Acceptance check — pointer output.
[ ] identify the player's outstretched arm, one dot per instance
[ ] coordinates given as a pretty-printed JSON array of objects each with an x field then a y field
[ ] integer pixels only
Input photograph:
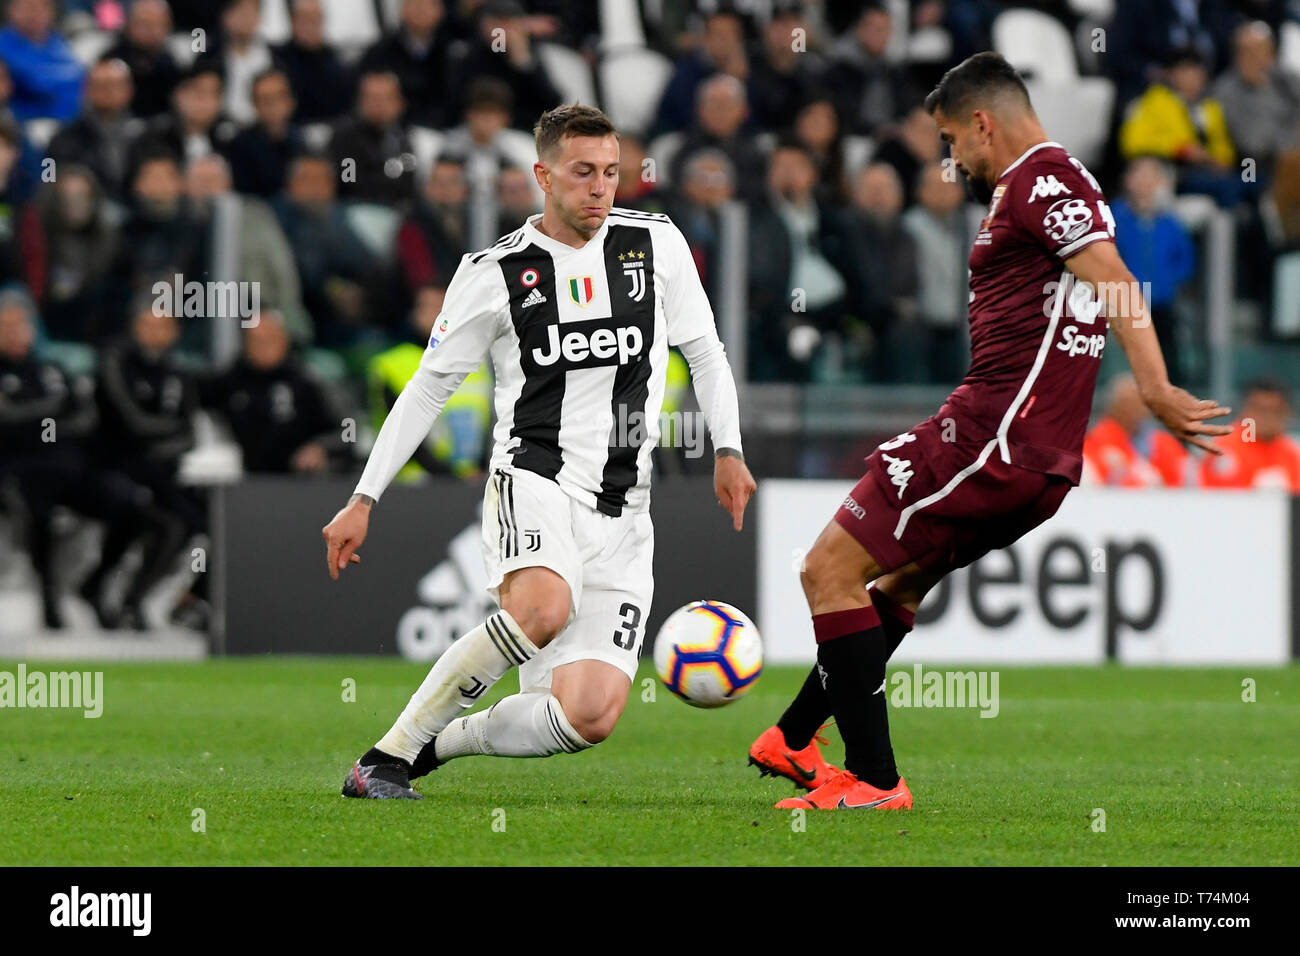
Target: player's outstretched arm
[
  {"x": 1185, "y": 415},
  {"x": 715, "y": 390}
]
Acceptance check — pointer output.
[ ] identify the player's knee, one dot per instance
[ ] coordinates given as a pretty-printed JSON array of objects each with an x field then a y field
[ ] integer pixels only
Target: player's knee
[
  {"x": 820, "y": 576},
  {"x": 592, "y": 721},
  {"x": 541, "y": 617}
]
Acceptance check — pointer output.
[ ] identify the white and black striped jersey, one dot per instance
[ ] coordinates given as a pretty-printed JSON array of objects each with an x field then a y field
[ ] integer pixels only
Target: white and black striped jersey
[{"x": 579, "y": 342}]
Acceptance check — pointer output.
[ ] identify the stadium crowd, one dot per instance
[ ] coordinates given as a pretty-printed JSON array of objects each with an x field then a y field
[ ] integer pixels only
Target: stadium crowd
[{"x": 172, "y": 141}]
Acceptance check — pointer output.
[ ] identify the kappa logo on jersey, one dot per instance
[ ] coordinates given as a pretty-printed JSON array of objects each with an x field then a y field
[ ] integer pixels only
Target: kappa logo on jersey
[
  {"x": 533, "y": 298},
  {"x": 1068, "y": 219},
  {"x": 900, "y": 471},
  {"x": 1048, "y": 186},
  {"x": 582, "y": 289},
  {"x": 634, "y": 269},
  {"x": 898, "y": 442},
  {"x": 600, "y": 346},
  {"x": 859, "y": 512}
]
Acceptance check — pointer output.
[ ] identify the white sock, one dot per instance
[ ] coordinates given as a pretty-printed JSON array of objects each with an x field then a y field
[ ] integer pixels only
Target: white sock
[
  {"x": 525, "y": 725},
  {"x": 460, "y": 677}
]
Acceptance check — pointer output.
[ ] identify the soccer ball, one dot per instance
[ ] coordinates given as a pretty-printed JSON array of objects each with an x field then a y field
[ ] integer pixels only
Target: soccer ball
[{"x": 708, "y": 654}]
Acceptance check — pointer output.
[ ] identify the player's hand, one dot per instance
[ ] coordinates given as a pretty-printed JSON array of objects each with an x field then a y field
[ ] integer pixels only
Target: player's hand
[
  {"x": 733, "y": 484},
  {"x": 1185, "y": 415},
  {"x": 344, "y": 535}
]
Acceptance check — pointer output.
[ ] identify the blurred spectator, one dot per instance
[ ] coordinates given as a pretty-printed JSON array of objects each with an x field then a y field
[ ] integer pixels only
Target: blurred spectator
[
  {"x": 517, "y": 65},
  {"x": 102, "y": 137},
  {"x": 910, "y": 146},
  {"x": 22, "y": 246},
  {"x": 26, "y": 174},
  {"x": 708, "y": 181},
  {"x": 515, "y": 199},
  {"x": 334, "y": 266},
  {"x": 478, "y": 143},
  {"x": 885, "y": 271},
  {"x": 1157, "y": 248},
  {"x": 940, "y": 227},
  {"x": 638, "y": 183},
  {"x": 81, "y": 245},
  {"x": 721, "y": 50},
  {"x": 278, "y": 410},
  {"x": 817, "y": 126},
  {"x": 46, "y": 76},
  {"x": 1144, "y": 33},
  {"x": 1129, "y": 450},
  {"x": 787, "y": 73},
  {"x": 197, "y": 15},
  {"x": 875, "y": 92},
  {"x": 159, "y": 237},
  {"x": 458, "y": 442},
  {"x": 323, "y": 85},
  {"x": 1260, "y": 100},
  {"x": 434, "y": 236},
  {"x": 1175, "y": 120},
  {"x": 264, "y": 258},
  {"x": 240, "y": 54},
  {"x": 419, "y": 53},
  {"x": 720, "y": 113},
  {"x": 32, "y": 394},
  {"x": 195, "y": 127},
  {"x": 146, "y": 406},
  {"x": 143, "y": 48},
  {"x": 260, "y": 155},
  {"x": 1258, "y": 453},
  {"x": 373, "y": 147},
  {"x": 797, "y": 290}
]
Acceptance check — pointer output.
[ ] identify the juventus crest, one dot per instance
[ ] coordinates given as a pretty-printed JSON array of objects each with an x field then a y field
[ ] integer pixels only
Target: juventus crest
[{"x": 634, "y": 269}]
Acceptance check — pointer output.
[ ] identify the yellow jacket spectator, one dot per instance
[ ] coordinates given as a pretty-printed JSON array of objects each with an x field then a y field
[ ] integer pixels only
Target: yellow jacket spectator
[{"x": 1176, "y": 121}]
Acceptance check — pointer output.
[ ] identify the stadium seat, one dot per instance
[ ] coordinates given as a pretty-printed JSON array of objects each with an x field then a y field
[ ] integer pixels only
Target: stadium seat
[
  {"x": 427, "y": 143},
  {"x": 858, "y": 151},
  {"x": 181, "y": 47},
  {"x": 89, "y": 45},
  {"x": 39, "y": 132},
  {"x": 662, "y": 149},
  {"x": 1076, "y": 114},
  {"x": 274, "y": 26},
  {"x": 620, "y": 26},
  {"x": 350, "y": 27},
  {"x": 1289, "y": 47},
  {"x": 631, "y": 83},
  {"x": 569, "y": 72},
  {"x": 1101, "y": 10},
  {"x": 390, "y": 13},
  {"x": 1036, "y": 44},
  {"x": 1193, "y": 211},
  {"x": 375, "y": 225}
]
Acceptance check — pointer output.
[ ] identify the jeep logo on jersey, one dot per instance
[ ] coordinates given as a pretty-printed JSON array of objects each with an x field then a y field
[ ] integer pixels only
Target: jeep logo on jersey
[
  {"x": 1067, "y": 219},
  {"x": 580, "y": 348},
  {"x": 1046, "y": 187},
  {"x": 581, "y": 289}
]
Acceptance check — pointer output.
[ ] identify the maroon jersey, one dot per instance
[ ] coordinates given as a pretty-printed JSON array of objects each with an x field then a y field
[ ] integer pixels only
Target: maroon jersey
[{"x": 1036, "y": 337}]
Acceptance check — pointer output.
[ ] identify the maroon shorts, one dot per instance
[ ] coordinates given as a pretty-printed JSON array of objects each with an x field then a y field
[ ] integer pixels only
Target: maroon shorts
[{"x": 944, "y": 504}]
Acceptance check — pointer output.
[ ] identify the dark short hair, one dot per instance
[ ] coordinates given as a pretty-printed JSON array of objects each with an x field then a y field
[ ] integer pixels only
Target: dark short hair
[
  {"x": 973, "y": 82},
  {"x": 263, "y": 75},
  {"x": 491, "y": 93},
  {"x": 574, "y": 119},
  {"x": 1269, "y": 384},
  {"x": 202, "y": 68}
]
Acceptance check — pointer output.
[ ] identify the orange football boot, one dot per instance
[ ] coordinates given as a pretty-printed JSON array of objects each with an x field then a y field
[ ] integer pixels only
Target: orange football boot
[
  {"x": 807, "y": 768},
  {"x": 844, "y": 791}
]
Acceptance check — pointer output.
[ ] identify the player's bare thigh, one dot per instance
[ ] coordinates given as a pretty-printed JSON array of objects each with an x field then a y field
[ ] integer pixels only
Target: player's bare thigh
[
  {"x": 539, "y": 601},
  {"x": 837, "y": 570},
  {"x": 593, "y": 695}
]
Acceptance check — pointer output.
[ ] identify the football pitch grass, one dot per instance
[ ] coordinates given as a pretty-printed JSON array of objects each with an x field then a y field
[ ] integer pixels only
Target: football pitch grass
[{"x": 1185, "y": 772}]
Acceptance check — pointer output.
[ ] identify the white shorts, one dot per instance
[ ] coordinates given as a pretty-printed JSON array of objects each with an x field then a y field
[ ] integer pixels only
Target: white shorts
[{"x": 608, "y": 563}]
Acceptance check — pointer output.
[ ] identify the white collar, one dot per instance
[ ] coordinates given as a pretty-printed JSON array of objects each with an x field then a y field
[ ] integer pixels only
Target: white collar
[
  {"x": 547, "y": 242},
  {"x": 1025, "y": 155}
]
